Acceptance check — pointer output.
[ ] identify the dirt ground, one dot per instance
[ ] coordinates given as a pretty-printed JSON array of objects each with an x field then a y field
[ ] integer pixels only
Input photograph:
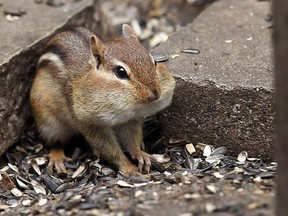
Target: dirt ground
[{"x": 181, "y": 183}]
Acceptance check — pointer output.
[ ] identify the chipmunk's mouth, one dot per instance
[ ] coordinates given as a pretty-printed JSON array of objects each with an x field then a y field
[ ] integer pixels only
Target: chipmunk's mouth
[
  {"x": 116, "y": 117},
  {"x": 123, "y": 113},
  {"x": 145, "y": 110},
  {"x": 121, "y": 116}
]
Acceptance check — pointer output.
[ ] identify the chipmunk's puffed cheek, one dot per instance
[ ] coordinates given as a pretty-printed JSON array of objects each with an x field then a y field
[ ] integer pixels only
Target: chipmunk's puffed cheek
[{"x": 101, "y": 83}]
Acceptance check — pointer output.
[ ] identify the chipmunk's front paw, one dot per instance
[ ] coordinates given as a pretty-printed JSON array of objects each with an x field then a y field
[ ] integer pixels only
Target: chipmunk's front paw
[
  {"x": 56, "y": 159},
  {"x": 144, "y": 160},
  {"x": 130, "y": 170}
]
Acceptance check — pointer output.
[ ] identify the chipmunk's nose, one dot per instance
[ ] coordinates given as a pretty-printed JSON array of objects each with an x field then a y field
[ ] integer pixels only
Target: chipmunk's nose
[{"x": 154, "y": 95}]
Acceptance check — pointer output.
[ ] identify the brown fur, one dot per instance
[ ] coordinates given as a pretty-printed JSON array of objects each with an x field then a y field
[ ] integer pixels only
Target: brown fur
[{"x": 76, "y": 90}]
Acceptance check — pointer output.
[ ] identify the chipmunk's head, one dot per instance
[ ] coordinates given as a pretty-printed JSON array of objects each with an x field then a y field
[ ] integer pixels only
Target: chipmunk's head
[
  {"x": 128, "y": 66},
  {"x": 123, "y": 82}
]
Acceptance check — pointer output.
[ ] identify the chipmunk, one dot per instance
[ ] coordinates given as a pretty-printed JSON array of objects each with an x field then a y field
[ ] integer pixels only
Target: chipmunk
[{"x": 102, "y": 90}]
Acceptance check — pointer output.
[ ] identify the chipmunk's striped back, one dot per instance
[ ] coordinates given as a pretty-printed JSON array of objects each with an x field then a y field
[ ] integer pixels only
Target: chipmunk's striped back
[{"x": 68, "y": 50}]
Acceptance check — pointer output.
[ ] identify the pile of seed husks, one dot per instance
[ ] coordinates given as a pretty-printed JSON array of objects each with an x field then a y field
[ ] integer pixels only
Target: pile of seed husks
[{"x": 91, "y": 185}]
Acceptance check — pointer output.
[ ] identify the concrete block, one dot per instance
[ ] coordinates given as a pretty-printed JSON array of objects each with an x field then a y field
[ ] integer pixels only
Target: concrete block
[
  {"x": 224, "y": 94},
  {"x": 21, "y": 43}
]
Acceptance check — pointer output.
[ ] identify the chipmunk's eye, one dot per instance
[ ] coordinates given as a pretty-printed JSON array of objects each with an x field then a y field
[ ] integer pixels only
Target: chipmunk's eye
[{"x": 121, "y": 72}]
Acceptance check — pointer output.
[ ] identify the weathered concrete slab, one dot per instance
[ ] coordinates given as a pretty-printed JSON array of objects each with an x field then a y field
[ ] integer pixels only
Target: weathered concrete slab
[
  {"x": 21, "y": 43},
  {"x": 224, "y": 95}
]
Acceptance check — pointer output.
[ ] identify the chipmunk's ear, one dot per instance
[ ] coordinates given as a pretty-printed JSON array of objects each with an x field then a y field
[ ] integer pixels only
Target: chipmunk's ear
[
  {"x": 129, "y": 32},
  {"x": 96, "y": 46}
]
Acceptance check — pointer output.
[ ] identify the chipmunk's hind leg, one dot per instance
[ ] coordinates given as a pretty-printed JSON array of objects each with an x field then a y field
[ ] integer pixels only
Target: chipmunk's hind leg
[
  {"x": 56, "y": 159},
  {"x": 57, "y": 135},
  {"x": 51, "y": 118}
]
